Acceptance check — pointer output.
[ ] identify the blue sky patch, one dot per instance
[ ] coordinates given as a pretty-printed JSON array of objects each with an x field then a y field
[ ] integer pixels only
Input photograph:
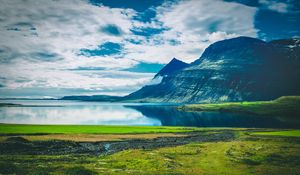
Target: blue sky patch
[
  {"x": 146, "y": 67},
  {"x": 111, "y": 30},
  {"x": 285, "y": 25},
  {"x": 145, "y": 16},
  {"x": 138, "y": 5},
  {"x": 147, "y": 32},
  {"x": 106, "y": 49}
]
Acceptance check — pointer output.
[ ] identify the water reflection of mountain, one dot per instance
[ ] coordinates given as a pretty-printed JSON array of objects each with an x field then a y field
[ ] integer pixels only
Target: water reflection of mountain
[{"x": 170, "y": 116}]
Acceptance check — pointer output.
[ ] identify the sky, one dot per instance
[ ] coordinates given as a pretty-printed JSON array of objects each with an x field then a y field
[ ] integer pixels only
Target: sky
[{"x": 53, "y": 48}]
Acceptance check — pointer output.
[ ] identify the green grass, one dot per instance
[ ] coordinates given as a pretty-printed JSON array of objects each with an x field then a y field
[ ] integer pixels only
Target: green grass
[
  {"x": 287, "y": 106},
  {"x": 47, "y": 164},
  {"x": 87, "y": 129},
  {"x": 243, "y": 156},
  {"x": 234, "y": 158},
  {"x": 291, "y": 133},
  {"x": 246, "y": 155}
]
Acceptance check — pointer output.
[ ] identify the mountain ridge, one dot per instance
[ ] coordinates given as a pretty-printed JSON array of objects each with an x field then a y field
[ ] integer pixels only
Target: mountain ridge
[{"x": 237, "y": 69}]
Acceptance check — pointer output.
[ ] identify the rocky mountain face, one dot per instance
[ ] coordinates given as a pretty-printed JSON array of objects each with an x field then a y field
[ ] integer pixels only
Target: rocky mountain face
[{"x": 238, "y": 69}]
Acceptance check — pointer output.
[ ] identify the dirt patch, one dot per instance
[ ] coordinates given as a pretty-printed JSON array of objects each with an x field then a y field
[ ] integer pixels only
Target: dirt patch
[
  {"x": 60, "y": 147},
  {"x": 98, "y": 137}
]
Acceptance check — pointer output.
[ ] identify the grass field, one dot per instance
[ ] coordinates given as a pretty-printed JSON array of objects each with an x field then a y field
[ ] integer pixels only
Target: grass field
[
  {"x": 287, "y": 106},
  {"x": 93, "y": 133},
  {"x": 290, "y": 133},
  {"x": 232, "y": 158},
  {"x": 88, "y": 129},
  {"x": 251, "y": 152}
]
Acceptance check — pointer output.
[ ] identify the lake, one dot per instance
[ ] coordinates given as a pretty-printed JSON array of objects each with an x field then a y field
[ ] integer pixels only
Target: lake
[{"x": 138, "y": 114}]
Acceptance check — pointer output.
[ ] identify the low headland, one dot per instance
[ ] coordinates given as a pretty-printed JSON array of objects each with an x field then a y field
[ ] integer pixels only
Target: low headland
[{"x": 286, "y": 106}]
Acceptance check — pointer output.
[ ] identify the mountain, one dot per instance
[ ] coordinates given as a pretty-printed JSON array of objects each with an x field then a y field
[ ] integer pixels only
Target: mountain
[
  {"x": 105, "y": 98},
  {"x": 173, "y": 66},
  {"x": 238, "y": 69}
]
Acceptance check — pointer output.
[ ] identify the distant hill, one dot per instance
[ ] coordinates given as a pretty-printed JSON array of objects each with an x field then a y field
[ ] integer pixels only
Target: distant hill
[
  {"x": 238, "y": 69},
  {"x": 106, "y": 98}
]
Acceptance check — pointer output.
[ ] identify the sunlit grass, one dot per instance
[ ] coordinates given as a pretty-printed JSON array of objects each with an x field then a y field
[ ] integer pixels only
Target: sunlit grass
[
  {"x": 240, "y": 157},
  {"x": 87, "y": 129},
  {"x": 290, "y": 133}
]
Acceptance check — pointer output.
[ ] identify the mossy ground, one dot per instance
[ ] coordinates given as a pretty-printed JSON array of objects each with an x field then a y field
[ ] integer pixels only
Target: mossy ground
[{"x": 247, "y": 154}]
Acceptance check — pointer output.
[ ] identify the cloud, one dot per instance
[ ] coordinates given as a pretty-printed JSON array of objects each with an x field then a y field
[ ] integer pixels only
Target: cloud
[
  {"x": 217, "y": 36},
  {"x": 45, "y": 56},
  {"x": 60, "y": 27},
  {"x": 43, "y": 39},
  {"x": 273, "y": 5},
  {"x": 85, "y": 80},
  {"x": 191, "y": 26},
  {"x": 102, "y": 47}
]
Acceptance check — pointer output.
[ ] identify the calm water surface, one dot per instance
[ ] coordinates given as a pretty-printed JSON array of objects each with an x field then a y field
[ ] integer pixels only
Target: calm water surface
[{"x": 145, "y": 114}]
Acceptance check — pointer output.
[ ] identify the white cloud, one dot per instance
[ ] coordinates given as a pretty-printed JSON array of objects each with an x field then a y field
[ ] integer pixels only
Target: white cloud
[
  {"x": 195, "y": 25},
  {"x": 217, "y": 36},
  {"x": 41, "y": 40},
  {"x": 22, "y": 75},
  {"x": 275, "y": 6},
  {"x": 59, "y": 29}
]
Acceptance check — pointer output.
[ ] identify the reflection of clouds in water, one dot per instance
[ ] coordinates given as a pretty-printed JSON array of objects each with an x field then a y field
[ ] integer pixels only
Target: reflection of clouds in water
[{"x": 84, "y": 114}]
